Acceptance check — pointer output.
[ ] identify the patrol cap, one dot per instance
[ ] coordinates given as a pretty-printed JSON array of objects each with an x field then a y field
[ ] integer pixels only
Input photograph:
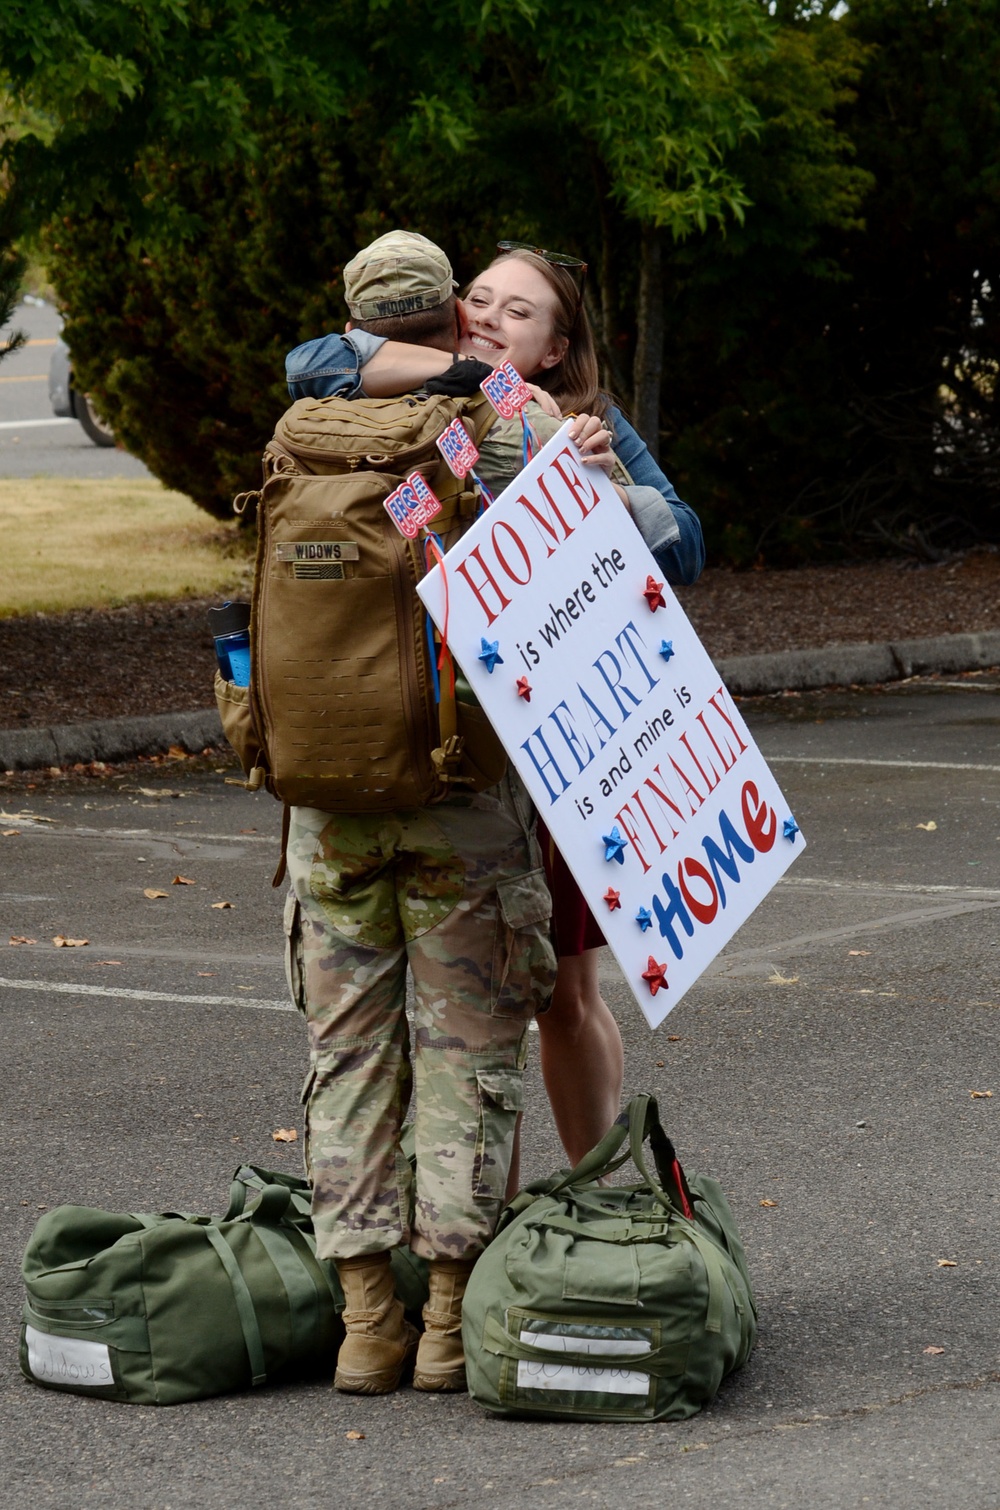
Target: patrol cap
[{"x": 400, "y": 273}]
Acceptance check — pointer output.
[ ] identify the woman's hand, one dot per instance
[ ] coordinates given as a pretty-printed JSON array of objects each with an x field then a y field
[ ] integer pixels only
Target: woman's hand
[
  {"x": 594, "y": 440},
  {"x": 546, "y": 400}
]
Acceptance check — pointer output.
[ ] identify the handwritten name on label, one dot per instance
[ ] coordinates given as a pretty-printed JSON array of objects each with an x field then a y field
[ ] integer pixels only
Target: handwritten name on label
[
  {"x": 458, "y": 449},
  {"x": 412, "y": 505},
  {"x": 506, "y": 390},
  {"x": 602, "y": 1378},
  {"x": 68, "y": 1360}
]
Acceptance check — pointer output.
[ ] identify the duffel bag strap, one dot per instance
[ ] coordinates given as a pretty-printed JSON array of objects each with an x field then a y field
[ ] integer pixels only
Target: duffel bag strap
[
  {"x": 244, "y": 1305},
  {"x": 599, "y": 1161}
]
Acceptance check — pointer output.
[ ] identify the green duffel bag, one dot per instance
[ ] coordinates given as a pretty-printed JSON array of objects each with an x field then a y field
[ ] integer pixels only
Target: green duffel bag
[
  {"x": 610, "y": 1302},
  {"x": 158, "y": 1309}
]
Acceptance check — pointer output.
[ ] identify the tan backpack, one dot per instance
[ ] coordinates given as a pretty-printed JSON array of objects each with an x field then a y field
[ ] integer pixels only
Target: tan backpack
[{"x": 341, "y": 712}]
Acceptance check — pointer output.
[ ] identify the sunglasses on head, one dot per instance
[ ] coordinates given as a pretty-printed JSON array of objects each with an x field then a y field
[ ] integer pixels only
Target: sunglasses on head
[{"x": 556, "y": 259}]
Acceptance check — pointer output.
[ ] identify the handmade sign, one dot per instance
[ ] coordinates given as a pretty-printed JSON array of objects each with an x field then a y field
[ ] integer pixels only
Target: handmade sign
[{"x": 610, "y": 708}]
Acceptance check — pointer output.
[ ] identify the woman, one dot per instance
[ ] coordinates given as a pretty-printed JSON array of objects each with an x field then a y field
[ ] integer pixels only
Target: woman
[{"x": 526, "y": 307}]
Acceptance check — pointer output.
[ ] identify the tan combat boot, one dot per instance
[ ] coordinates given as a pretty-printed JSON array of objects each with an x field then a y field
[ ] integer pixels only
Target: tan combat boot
[
  {"x": 440, "y": 1360},
  {"x": 380, "y": 1342}
]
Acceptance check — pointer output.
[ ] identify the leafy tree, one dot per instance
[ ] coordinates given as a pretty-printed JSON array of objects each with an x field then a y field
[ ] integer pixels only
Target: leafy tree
[
  {"x": 191, "y": 146},
  {"x": 836, "y": 357}
]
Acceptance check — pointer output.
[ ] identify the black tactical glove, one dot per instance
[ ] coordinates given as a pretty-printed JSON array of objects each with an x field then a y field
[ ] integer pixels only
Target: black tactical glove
[{"x": 461, "y": 380}]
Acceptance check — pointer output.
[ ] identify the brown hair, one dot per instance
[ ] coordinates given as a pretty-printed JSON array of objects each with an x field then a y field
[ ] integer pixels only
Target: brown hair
[
  {"x": 422, "y": 327},
  {"x": 573, "y": 382}
]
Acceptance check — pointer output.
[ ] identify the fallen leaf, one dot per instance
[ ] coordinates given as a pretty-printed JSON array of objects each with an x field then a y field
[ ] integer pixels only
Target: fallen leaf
[
  {"x": 220, "y": 905},
  {"x": 769, "y": 1203},
  {"x": 183, "y": 881},
  {"x": 152, "y": 791},
  {"x": 285, "y": 1135},
  {"x": 20, "y": 938},
  {"x": 359, "y": 1436},
  {"x": 152, "y": 893},
  {"x": 248, "y": 830},
  {"x": 928, "y": 828},
  {"x": 176, "y": 753},
  {"x": 207, "y": 973},
  {"x": 673, "y": 1038},
  {"x": 947, "y": 1263},
  {"x": 11, "y": 833},
  {"x": 62, "y": 942},
  {"x": 777, "y": 979},
  {"x": 109, "y": 961},
  {"x": 24, "y": 818},
  {"x": 976, "y": 1095},
  {"x": 660, "y": 1063},
  {"x": 859, "y": 951},
  {"x": 934, "y": 1351}
]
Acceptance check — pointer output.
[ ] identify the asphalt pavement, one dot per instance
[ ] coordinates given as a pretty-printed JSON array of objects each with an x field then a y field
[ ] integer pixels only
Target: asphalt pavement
[
  {"x": 823, "y": 1069},
  {"x": 33, "y": 441}
]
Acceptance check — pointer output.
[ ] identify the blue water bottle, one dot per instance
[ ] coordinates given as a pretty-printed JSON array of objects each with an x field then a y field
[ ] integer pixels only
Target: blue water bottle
[{"x": 230, "y": 627}]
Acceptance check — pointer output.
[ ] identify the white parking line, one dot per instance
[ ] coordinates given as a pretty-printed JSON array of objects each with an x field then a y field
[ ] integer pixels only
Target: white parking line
[
  {"x": 903, "y": 765},
  {"x": 32, "y": 424},
  {"x": 65, "y": 988}
]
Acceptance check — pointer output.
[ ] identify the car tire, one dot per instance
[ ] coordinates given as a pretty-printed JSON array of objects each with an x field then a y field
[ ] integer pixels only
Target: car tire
[{"x": 99, "y": 431}]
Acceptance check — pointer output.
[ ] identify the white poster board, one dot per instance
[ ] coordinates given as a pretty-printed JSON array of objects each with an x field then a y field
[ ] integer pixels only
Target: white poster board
[{"x": 617, "y": 721}]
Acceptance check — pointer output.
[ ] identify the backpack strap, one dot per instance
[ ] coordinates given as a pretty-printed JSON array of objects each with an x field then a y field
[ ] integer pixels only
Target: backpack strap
[
  {"x": 479, "y": 416},
  {"x": 286, "y": 824}
]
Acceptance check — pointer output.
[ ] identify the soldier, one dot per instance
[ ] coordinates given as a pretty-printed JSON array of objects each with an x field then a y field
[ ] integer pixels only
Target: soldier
[{"x": 457, "y": 892}]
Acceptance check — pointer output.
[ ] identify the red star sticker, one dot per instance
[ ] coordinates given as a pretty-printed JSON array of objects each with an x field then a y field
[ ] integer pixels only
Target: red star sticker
[
  {"x": 613, "y": 898},
  {"x": 653, "y": 594},
  {"x": 655, "y": 976},
  {"x": 524, "y": 688}
]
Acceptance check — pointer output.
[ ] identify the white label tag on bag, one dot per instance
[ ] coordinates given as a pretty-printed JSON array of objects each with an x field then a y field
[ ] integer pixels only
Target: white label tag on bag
[
  {"x": 602, "y": 1379},
  {"x": 68, "y": 1360}
]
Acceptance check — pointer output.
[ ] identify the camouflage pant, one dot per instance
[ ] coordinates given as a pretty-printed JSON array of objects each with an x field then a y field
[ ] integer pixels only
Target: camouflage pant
[{"x": 455, "y": 892}]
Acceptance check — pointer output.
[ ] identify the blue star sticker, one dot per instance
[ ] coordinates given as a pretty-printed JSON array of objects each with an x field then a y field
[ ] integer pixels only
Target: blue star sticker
[
  {"x": 644, "y": 918},
  {"x": 614, "y": 844},
  {"x": 667, "y": 649},
  {"x": 790, "y": 828},
  {"x": 491, "y": 656}
]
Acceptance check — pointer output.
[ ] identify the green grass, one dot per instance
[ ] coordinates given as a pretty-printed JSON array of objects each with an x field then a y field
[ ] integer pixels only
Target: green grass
[{"x": 69, "y": 544}]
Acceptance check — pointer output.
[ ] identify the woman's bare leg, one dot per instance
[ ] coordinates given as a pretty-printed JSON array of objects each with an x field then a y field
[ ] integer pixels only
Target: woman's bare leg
[{"x": 583, "y": 1063}]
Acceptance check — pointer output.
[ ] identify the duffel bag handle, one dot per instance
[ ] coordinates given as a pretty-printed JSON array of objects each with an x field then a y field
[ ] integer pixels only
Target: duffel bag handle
[
  {"x": 272, "y": 1205},
  {"x": 643, "y": 1123},
  {"x": 640, "y": 1120}
]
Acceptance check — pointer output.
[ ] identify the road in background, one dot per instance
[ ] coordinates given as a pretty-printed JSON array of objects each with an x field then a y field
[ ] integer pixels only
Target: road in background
[
  {"x": 33, "y": 441},
  {"x": 823, "y": 1070}
]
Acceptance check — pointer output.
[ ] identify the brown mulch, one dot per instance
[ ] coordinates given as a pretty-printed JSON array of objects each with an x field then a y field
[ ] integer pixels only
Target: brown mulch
[{"x": 158, "y": 657}]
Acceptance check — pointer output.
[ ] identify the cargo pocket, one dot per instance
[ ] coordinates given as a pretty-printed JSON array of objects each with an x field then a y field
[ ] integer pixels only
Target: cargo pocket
[
  {"x": 294, "y": 973},
  {"x": 501, "y": 1097},
  {"x": 524, "y": 961},
  {"x": 233, "y": 703}
]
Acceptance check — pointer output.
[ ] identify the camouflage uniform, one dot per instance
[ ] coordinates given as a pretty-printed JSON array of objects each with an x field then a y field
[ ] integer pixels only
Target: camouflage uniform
[{"x": 455, "y": 891}]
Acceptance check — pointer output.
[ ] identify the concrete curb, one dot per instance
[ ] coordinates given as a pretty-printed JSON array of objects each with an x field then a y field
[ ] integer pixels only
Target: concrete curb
[
  {"x": 108, "y": 739},
  {"x": 746, "y": 675},
  {"x": 862, "y": 665}
]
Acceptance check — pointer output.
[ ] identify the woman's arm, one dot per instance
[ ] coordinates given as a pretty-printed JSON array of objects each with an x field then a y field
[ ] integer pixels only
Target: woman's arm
[
  {"x": 338, "y": 365},
  {"x": 669, "y": 526}
]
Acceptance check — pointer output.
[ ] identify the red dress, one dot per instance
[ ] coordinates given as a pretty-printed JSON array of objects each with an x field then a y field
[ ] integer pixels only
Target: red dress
[{"x": 574, "y": 926}]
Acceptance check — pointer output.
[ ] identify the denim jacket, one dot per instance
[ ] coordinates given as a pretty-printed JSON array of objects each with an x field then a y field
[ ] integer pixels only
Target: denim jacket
[{"x": 331, "y": 365}]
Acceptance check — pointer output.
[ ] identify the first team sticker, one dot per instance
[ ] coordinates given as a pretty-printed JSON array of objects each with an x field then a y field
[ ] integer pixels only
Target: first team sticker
[
  {"x": 506, "y": 390},
  {"x": 412, "y": 505}
]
